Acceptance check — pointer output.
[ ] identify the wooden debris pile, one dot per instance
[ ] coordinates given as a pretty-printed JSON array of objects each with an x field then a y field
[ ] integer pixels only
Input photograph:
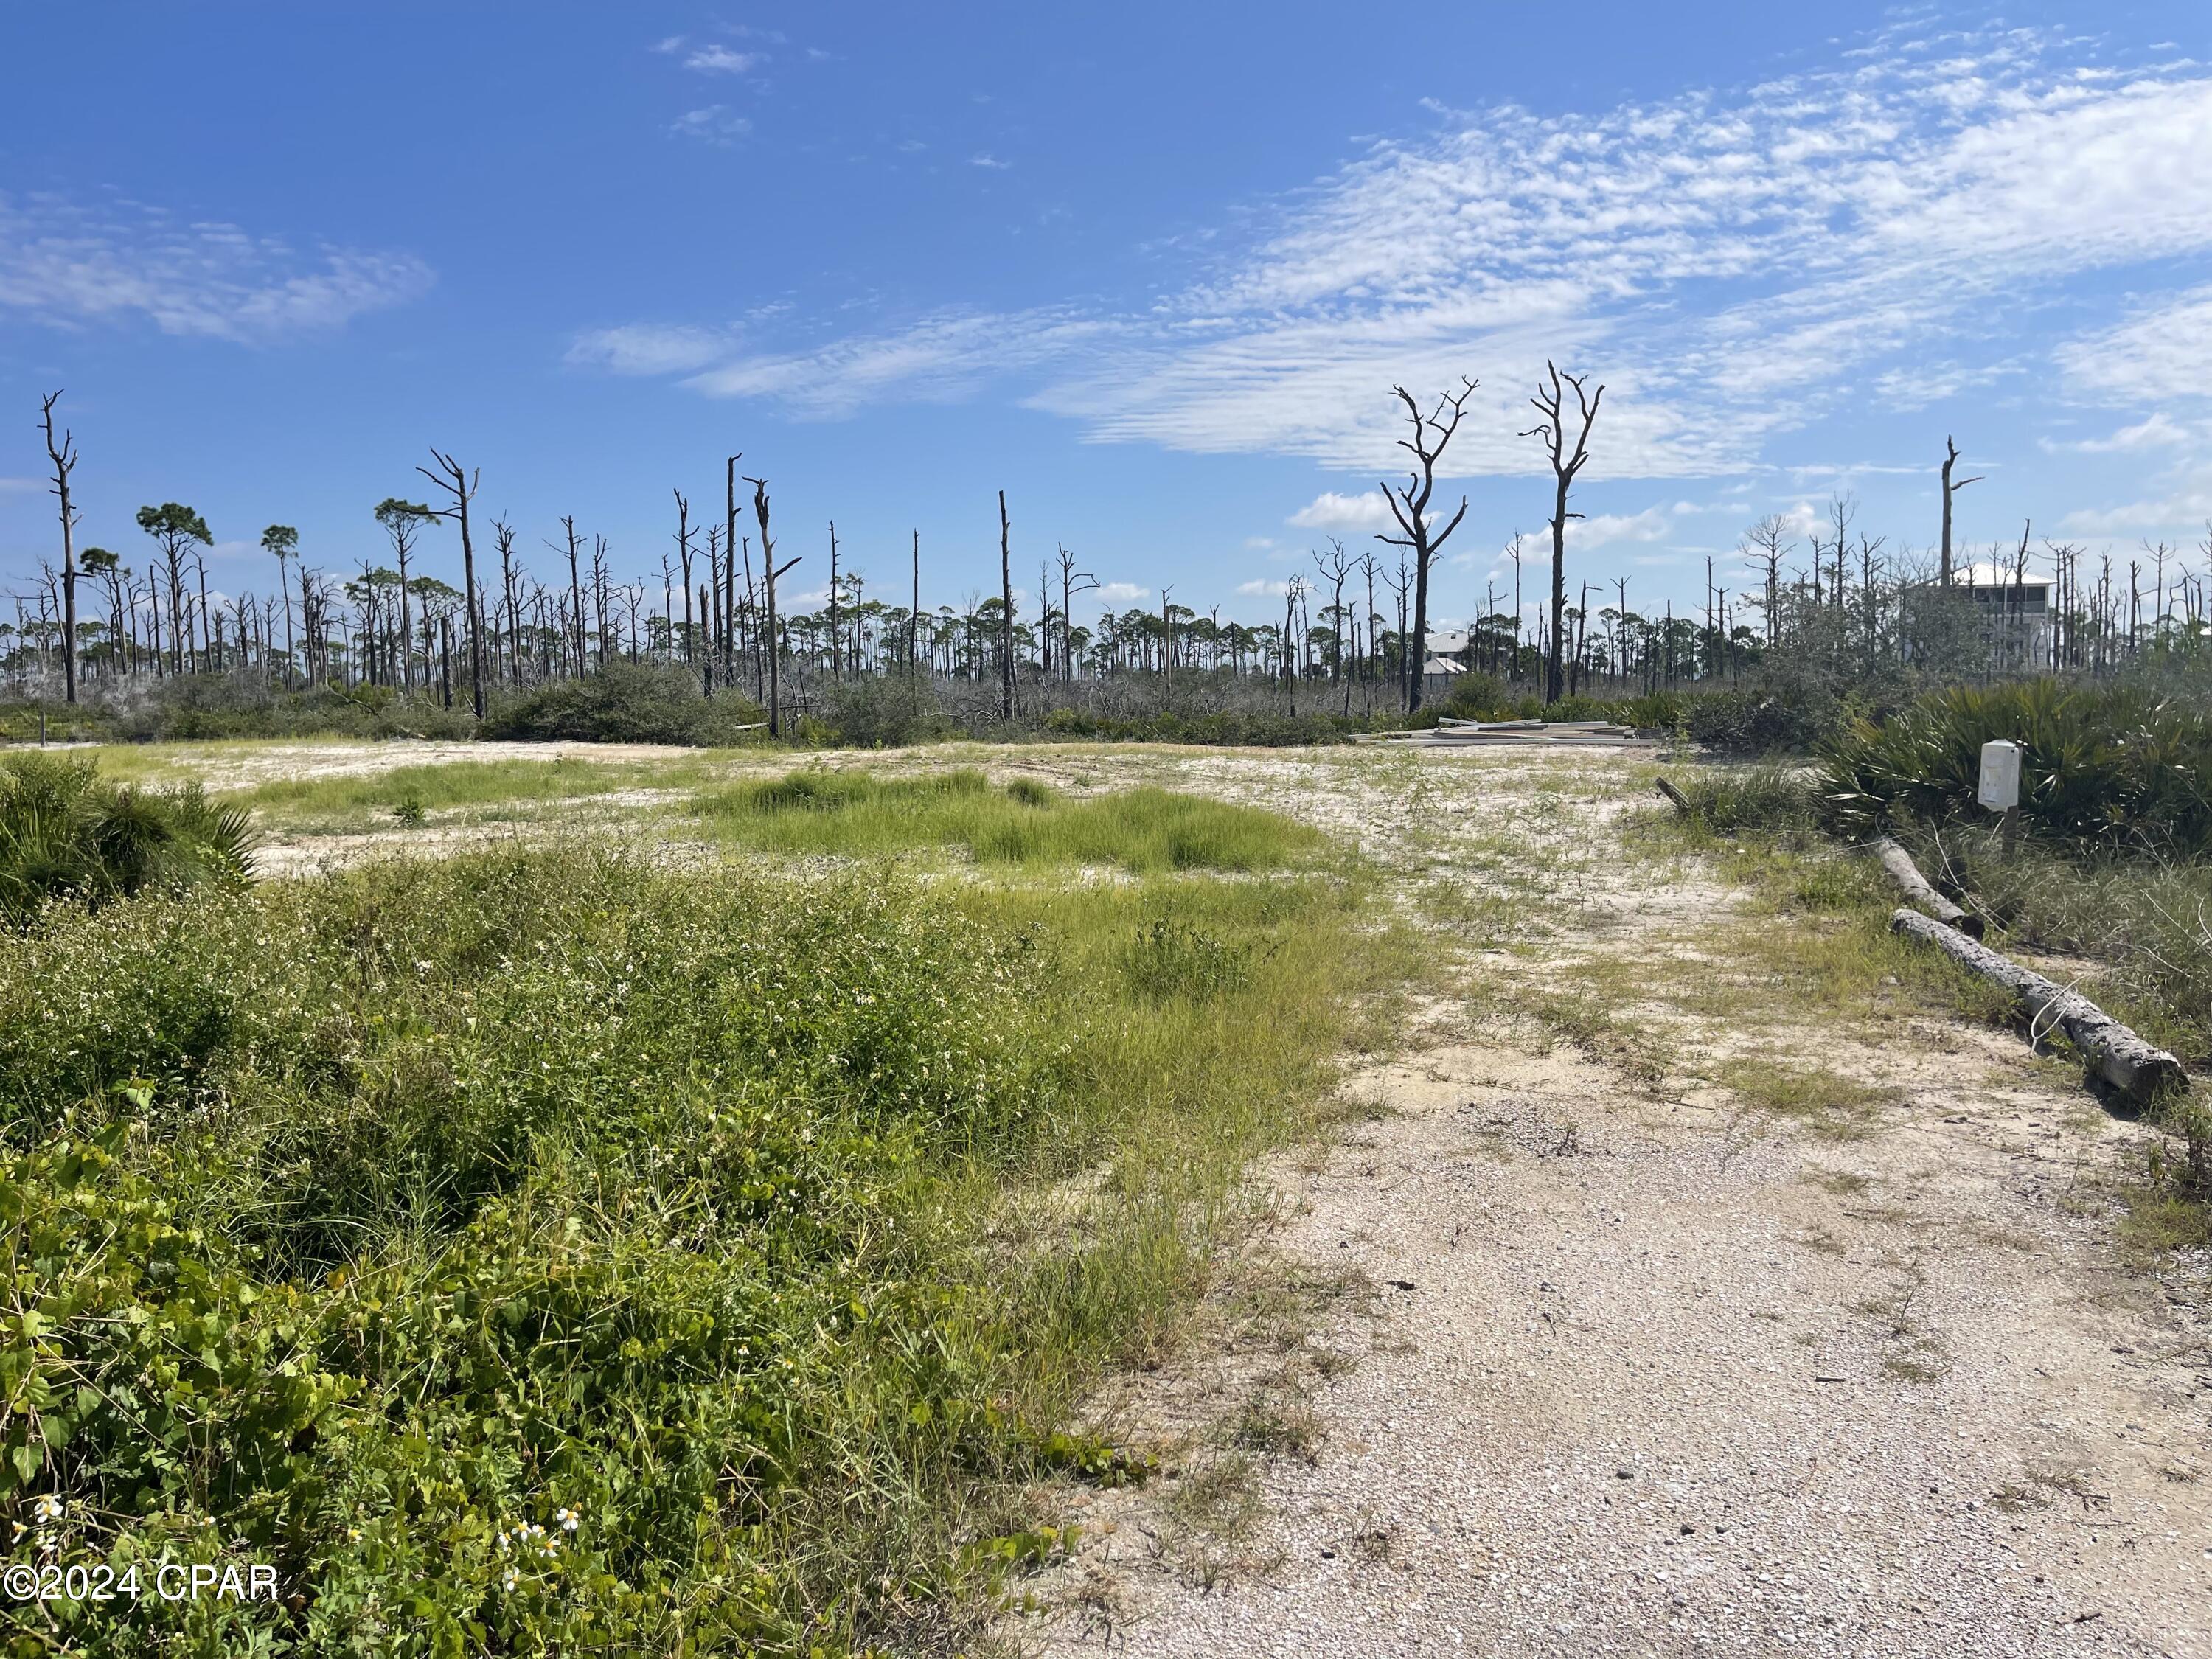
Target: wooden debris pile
[{"x": 1503, "y": 734}]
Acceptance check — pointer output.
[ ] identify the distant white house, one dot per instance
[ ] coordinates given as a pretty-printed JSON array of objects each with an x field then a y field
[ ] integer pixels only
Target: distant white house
[{"x": 2016, "y": 605}]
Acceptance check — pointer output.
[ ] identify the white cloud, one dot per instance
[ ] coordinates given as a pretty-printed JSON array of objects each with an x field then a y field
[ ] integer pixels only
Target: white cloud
[
  {"x": 2163, "y": 351},
  {"x": 1731, "y": 264},
  {"x": 1257, "y": 543},
  {"x": 1263, "y": 587},
  {"x": 2160, "y": 431},
  {"x": 1649, "y": 526},
  {"x": 1332, "y": 511},
  {"x": 987, "y": 160},
  {"x": 21, "y": 486},
  {"x": 716, "y": 124},
  {"x": 1120, "y": 593},
  {"x": 650, "y": 349},
  {"x": 720, "y": 60},
  {"x": 69, "y": 265},
  {"x": 940, "y": 358}
]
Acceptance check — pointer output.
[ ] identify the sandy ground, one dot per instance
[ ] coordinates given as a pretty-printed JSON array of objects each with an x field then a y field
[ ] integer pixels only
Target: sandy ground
[
  {"x": 1596, "y": 1359},
  {"x": 1629, "y": 1370}
]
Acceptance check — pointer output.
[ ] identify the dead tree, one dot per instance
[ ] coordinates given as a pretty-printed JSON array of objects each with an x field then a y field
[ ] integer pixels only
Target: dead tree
[
  {"x": 1071, "y": 582},
  {"x": 730, "y": 572},
  {"x": 1409, "y": 506},
  {"x": 63, "y": 457},
  {"x": 575, "y": 593},
  {"x": 770, "y": 572},
  {"x": 683, "y": 560},
  {"x": 1950, "y": 490},
  {"x": 460, "y": 485},
  {"x": 1336, "y": 569},
  {"x": 1007, "y": 619},
  {"x": 1550, "y": 402},
  {"x": 1767, "y": 541}
]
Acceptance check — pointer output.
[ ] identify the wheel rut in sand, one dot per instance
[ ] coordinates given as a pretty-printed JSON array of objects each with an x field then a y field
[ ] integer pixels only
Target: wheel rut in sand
[{"x": 1620, "y": 1365}]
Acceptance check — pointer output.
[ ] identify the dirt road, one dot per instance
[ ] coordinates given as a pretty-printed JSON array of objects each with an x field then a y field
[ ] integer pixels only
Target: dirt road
[{"x": 1641, "y": 1351}]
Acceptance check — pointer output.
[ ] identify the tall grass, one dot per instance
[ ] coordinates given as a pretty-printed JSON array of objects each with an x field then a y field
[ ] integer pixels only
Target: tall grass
[
  {"x": 1145, "y": 830},
  {"x": 372, "y": 1221}
]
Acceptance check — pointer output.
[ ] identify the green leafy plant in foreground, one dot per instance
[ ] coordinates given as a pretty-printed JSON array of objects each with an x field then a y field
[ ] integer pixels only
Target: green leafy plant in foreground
[{"x": 542, "y": 1252}]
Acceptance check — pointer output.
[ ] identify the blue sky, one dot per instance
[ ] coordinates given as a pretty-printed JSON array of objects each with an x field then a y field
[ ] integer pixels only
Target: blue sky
[{"x": 1151, "y": 270}]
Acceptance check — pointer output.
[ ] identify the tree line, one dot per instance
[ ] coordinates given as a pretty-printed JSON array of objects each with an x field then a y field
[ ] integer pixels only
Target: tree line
[{"x": 1354, "y": 635}]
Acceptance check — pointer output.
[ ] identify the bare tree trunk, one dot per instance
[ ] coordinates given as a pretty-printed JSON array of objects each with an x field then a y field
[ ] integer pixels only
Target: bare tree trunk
[
  {"x": 64, "y": 459},
  {"x": 461, "y": 486},
  {"x": 1007, "y": 621},
  {"x": 1409, "y": 504}
]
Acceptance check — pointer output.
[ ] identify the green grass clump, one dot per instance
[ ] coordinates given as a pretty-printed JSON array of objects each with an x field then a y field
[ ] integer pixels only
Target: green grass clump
[
  {"x": 860, "y": 814},
  {"x": 770, "y": 1228},
  {"x": 1773, "y": 798},
  {"x": 65, "y": 833},
  {"x": 350, "y": 798}
]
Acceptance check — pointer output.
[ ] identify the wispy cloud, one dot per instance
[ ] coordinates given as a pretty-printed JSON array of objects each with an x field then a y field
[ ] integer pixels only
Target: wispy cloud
[
  {"x": 716, "y": 124},
  {"x": 69, "y": 265},
  {"x": 937, "y": 359},
  {"x": 719, "y": 59},
  {"x": 987, "y": 160},
  {"x": 2163, "y": 351},
  {"x": 1120, "y": 593},
  {"x": 650, "y": 349},
  {"x": 1732, "y": 264}
]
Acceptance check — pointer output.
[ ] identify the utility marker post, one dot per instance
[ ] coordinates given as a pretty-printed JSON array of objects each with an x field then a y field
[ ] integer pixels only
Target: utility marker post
[{"x": 2000, "y": 787}]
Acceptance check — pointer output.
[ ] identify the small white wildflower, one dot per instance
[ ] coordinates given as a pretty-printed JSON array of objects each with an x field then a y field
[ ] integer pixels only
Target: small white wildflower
[
  {"x": 48, "y": 1508},
  {"x": 569, "y": 1519},
  {"x": 509, "y": 1579}
]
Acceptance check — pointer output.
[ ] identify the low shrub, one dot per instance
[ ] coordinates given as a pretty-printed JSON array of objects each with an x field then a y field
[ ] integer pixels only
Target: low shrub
[
  {"x": 1747, "y": 721},
  {"x": 2110, "y": 768},
  {"x": 883, "y": 712},
  {"x": 66, "y": 834},
  {"x": 625, "y": 703}
]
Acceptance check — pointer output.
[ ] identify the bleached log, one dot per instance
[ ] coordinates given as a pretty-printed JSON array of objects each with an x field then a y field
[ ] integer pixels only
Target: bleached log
[
  {"x": 1914, "y": 885},
  {"x": 2113, "y": 1051}
]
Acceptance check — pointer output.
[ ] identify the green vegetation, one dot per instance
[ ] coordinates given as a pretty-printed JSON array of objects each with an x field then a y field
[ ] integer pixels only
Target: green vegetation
[
  {"x": 816, "y": 810},
  {"x": 2106, "y": 767},
  {"x": 753, "y": 1236},
  {"x": 2116, "y": 796},
  {"x": 356, "y": 799},
  {"x": 64, "y": 833},
  {"x": 625, "y": 703}
]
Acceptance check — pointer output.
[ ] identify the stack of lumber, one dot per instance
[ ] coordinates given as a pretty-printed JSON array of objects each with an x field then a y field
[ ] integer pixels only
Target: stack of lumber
[{"x": 1501, "y": 734}]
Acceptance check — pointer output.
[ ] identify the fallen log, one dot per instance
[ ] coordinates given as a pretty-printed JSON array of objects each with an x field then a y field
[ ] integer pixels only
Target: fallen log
[
  {"x": 1914, "y": 885},
  {"x": 2112, "y": 1050}
]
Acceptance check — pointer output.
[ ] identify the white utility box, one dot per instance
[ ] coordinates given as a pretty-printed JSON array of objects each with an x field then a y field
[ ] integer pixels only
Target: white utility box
[{"x": 2000, "y": 790}]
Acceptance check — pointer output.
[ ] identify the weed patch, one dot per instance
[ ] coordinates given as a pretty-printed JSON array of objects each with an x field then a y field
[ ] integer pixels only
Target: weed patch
[{"x": 1142, "y": 829}]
